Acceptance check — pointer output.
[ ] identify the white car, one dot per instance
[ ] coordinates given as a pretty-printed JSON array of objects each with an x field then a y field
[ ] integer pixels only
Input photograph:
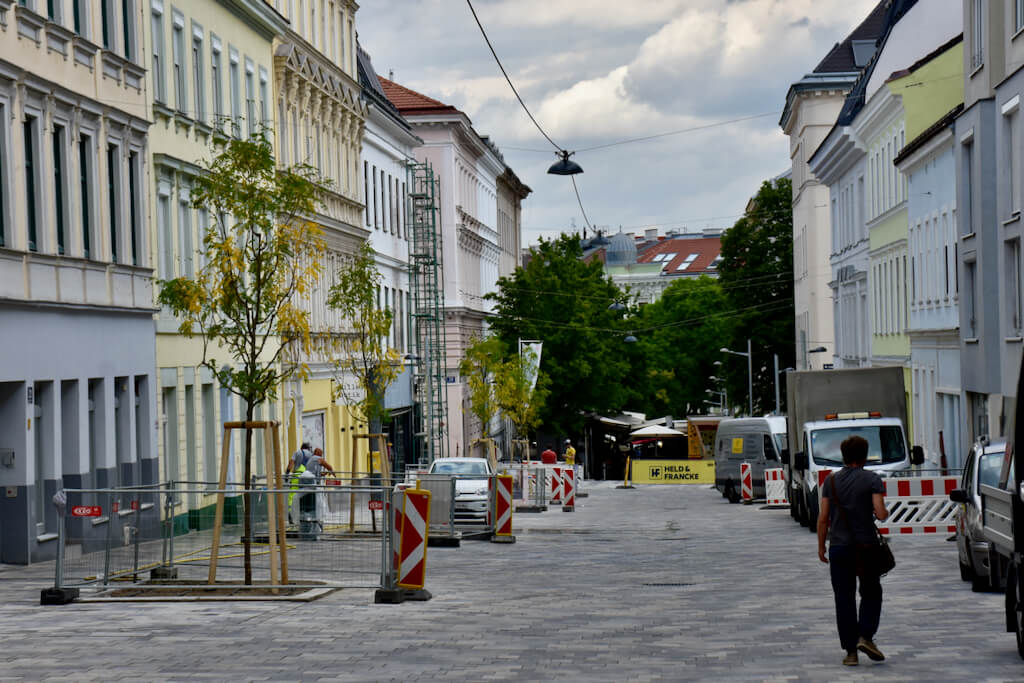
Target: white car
[
  {"x": 983, "y": 466},
  {"x": 472, "y": 476}
]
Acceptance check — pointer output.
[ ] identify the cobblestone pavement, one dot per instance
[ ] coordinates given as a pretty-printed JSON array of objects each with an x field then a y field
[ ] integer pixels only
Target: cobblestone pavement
[{"x": 654, "y": 583}]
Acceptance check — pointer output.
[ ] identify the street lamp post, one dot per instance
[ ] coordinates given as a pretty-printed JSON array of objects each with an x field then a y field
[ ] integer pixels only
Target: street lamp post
[
  {"x": 724, "y": 392},
  {"x": 750, "y": 375}
]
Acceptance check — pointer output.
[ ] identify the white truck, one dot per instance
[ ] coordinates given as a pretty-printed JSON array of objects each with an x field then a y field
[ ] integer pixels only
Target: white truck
[{"x": 828, "y": 406}]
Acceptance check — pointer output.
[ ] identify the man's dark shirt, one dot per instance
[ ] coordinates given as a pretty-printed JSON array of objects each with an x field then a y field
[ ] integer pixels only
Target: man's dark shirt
[{"x": 855, "y": 486}]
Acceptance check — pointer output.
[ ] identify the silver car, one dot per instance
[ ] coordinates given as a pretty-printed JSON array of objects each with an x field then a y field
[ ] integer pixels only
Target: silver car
[
  {"x": 472, "y": 477},
  {"x": 982, "y": 467}
]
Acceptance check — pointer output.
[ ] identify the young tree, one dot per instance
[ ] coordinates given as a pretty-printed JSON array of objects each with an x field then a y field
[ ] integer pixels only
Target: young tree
[
  {"x": 363, "y": 352},
  {"x": 260, "y": 256},
  {"x": 520, "y": 391},
  {"x": 480, "y": 365}
]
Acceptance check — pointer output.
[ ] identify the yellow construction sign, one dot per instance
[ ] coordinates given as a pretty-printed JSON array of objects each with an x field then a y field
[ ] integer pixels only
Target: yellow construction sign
[{"x": 673, "y": 471}]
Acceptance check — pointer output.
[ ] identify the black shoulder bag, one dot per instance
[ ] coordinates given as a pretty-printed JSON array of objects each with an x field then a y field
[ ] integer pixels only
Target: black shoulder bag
[{"x": 877, "y": 555}]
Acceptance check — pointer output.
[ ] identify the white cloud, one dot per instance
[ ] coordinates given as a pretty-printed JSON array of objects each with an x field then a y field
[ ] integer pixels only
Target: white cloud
[{"x": 596, "y": 71}]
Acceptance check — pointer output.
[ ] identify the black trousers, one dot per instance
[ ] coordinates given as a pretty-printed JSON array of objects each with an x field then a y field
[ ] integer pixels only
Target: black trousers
[{"x": 842, "y": 562}]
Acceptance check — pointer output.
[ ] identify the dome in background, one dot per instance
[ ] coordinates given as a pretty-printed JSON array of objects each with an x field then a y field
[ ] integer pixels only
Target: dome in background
[{"x": 621, "y": 251}]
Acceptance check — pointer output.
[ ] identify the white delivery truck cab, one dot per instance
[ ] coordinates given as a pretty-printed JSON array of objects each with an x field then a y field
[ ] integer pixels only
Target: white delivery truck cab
[
  {"x": 758, "y": 441},
  {"x": 820, "y": 454}
]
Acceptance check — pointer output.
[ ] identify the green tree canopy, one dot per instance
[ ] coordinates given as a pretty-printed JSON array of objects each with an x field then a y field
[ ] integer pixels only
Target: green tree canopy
[
  {"x": 564, "y": 302},
  {"x": 756, "y": 275}
]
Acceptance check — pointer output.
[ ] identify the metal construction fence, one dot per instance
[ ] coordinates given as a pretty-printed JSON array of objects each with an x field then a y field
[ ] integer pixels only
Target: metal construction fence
[{"x": 336, "y": 535}]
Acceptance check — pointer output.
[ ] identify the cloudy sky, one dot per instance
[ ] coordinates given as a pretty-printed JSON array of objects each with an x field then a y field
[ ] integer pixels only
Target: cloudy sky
[{"x": 595, "y": 72}]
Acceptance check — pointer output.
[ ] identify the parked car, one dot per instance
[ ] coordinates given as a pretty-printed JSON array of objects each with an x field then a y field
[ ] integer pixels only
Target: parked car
[
  {"x": 983, "y": 466},
  {"x": 755, "y": 440},
  {"x": 472, "y": 476}
]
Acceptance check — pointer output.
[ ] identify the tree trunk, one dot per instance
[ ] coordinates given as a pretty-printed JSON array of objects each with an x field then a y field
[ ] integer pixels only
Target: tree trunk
[{"x": 247, "y": 498}]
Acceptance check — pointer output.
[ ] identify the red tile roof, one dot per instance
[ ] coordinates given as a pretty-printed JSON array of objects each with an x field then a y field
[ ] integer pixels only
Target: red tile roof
[
  {"x": 409, "y": 102},
  {"x": 707, "y": 250}
]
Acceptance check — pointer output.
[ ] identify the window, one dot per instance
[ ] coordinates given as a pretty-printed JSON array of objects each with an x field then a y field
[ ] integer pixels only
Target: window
[
  {"x": 265, "y": 98},
  {"x": 250, "y": 97},
  {"x": 185, "y": 230},
  {"x": 79, "y": 16},
  {"x": 216, "y": 88},
  {"x": 4, "y": 184},
  {"x": 198, "y": 87},
  {"x": 236, "y": 93},
  {"x": 128, "y": 28},
  {"x": 107, "y": 24},
  {"x": 29, "y": 130},
  {"x": 687, "y": 262},
  {"x": 1011, "y": 115},
  {"x": 366, "y": 191},
  {"x": 159, "y": 90},
  {"x": 163, "y": 225},
  {"x": 970, "y": 309},
  {"x": 59, "y": 191},
  {"x": 1015, "y": 308},
  {"x": 113, "y": 198},
  {"x": 53, "y": 10},
  {"x": 178, "y": 60},
  {"x": 85, "y": 173},
  {"x": 1018, "y": 15},
  {"x": 967, "y": 166},
  {"x": 977, "y": 33},
  {"x": 133, "y": 206},
  {"x": 376, "y": 221}
]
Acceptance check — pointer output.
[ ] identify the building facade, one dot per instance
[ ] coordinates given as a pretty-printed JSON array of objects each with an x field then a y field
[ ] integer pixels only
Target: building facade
[
  {"x": 321, "y": 118},
  {"x": 76, "y": 285},
  {"x": 468, "y": 167},
  {"x": 211, "y": 66},
  {"x": 388, "y": 148},
  {"x": 812, "y": 105},
  {"x": 931, "y": 100},
  {"x": 989, "y": 186}
]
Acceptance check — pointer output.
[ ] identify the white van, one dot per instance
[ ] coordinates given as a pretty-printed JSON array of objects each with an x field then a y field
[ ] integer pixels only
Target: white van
[{"x": 756, "y": 440}]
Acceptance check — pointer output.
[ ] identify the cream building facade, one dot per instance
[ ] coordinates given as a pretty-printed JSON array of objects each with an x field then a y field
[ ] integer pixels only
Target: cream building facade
[
  {"x": 321, "y": 119},
  {"x": 210, "y": 65},
  {"x": 75, "y": 267}
]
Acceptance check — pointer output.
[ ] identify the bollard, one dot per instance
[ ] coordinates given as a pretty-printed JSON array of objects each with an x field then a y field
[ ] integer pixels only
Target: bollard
[
  {"x": 746, "y": 483},
  {"x": 556, "y": 484},
  {"x": 502, "y": 510},
  {"x": 410, "y": 521},
  {"x": 569, "y": 484},
  {"x": 775, "y": 487},
  {"x": 627, "y": 481}
]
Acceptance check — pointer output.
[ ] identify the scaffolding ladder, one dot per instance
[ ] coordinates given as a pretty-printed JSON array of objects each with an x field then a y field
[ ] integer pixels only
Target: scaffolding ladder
[{"x": 425, "y": 279}]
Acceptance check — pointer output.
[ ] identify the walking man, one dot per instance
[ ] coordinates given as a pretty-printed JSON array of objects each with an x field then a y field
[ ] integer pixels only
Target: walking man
[{"x": 851, "y": 499}]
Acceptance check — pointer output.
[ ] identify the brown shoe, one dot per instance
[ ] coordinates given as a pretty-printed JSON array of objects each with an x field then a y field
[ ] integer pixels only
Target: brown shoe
[
  {"x": 870, "y": 649},
  {"x": 851, "y": 659}
]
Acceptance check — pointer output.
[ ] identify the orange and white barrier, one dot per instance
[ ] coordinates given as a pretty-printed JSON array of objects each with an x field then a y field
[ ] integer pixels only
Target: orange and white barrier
[
  {"x": 411, "y": 522},
  {"x": 746, "y": 482},
  {"x": 775, "y": 487},
  {"x": 556, "y": 484},
  {"x": 919, "y": 505},
  {"x": 501, "y": 494},
  {"x": 569, "y": 489}
]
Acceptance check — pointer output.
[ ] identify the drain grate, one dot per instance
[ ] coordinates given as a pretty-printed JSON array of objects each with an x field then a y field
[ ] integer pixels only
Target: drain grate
[{"x": 666, "y": 585}]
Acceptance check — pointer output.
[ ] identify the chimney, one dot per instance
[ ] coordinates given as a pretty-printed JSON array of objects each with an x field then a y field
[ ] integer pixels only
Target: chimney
[{"x": 651, "y": 234}]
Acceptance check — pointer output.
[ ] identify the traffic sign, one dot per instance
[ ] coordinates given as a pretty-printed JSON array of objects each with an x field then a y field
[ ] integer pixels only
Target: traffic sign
[
  {"x": 375, "y": 505},
  {"x": 86, "y": 511}
]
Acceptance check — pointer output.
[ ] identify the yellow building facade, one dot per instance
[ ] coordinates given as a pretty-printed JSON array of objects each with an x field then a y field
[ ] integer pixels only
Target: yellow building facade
[{"x": 210, "y": 64}]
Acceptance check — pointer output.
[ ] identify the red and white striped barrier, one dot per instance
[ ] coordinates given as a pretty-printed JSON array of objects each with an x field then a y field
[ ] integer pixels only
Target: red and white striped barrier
[
  {"x": 746, "y": 482},
  {"x": 412, "y": 522},
  {"x": 569, "y": 489},
  {"x": 920, "y": 506},
  {"x": 556, "y": 484},
  {"x": 775, "y": 487},
  {"x": 502, "y": 496}
]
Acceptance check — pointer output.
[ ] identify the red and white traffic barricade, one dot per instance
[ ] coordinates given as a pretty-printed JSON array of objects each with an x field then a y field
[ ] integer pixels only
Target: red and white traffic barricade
[
  {"x": 501, "y": 494},
  {"x": 919, "y": 505},
  {"x": 556, "y": 484},
  {"x": 775, "y": 487},
  {"x": 569, "y": 489},
  {"x": 412, "y": 519},
  {"x": 746, "y": 482}
]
